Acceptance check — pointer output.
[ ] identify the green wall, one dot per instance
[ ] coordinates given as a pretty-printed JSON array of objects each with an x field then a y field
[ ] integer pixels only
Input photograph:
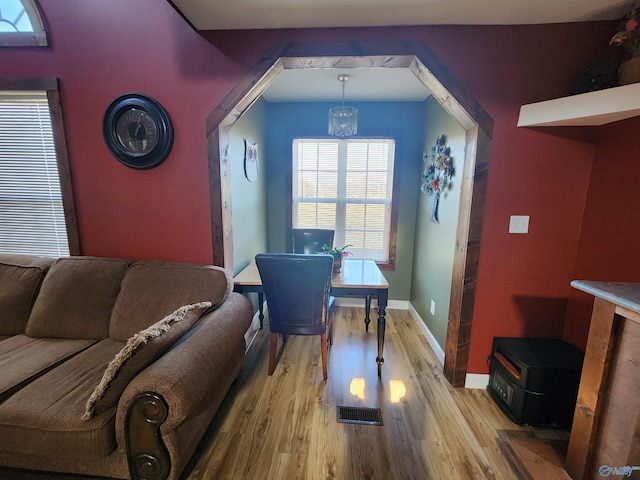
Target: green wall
[
  {"x": 248, "y": 206},
  {"x": 403, "y": 121},
  {"x": 435, "y": 242}
]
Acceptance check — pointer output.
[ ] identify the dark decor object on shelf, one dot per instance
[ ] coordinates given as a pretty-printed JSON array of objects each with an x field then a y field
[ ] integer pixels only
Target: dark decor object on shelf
[
  {"x": 597, "y": 75},
  {"x": 629, "y": 71},
  {"x": 628, "y": 39},
  {"x": 138, "y": 131}
]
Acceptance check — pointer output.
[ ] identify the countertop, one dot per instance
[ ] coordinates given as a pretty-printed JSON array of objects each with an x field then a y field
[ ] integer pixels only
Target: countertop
[{"x": 625, "y": 294}]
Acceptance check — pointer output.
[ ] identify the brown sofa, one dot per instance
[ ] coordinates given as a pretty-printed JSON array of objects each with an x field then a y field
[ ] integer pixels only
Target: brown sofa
[{"x": 165, "y": 339}]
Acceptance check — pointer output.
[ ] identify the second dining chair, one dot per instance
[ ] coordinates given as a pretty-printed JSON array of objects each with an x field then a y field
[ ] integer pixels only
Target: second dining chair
[
  {"x": 297, "y": 289},
  {"x": 310, "y": 240}
]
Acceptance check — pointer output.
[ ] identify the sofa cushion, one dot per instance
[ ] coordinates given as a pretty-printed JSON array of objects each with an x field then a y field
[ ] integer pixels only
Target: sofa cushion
[
  {"x": 76, "y": 298},
  {"x": 20, "y": 277},
  {"x": 44, "y": 417},
  {"x": 22, "y": 359},
  {"x": 153, "y": 289},
  {"x": 139, "y": 351}
]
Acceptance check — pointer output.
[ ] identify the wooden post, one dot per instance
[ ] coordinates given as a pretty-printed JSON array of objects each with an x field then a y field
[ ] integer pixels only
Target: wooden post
[{"x": 579, "y": 461}]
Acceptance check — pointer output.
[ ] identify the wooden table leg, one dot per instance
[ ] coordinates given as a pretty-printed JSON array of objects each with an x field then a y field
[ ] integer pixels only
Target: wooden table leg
[
  {"x": 382, "y": 324},
  {"x": 367, "y": 309},
  {"x": 261, "y": 308}
]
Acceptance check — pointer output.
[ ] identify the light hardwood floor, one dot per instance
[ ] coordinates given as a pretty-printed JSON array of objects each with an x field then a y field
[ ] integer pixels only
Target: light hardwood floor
[{"x": 285, "y": 427}]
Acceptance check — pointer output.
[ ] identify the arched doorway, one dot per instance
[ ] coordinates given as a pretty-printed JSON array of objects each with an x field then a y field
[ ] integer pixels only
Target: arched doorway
[{"x": 445, "y": 89}]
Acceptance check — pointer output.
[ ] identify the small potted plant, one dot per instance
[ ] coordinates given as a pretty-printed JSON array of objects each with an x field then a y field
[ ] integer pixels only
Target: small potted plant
[{"x": 337, "y": 254}]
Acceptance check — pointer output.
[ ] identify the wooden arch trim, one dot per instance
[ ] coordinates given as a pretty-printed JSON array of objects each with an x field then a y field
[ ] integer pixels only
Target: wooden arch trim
[{"x": 445, "y": 89}]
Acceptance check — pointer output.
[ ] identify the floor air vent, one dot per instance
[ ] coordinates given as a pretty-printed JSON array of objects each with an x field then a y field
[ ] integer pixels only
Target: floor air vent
[{"x": 361, "y": 415}]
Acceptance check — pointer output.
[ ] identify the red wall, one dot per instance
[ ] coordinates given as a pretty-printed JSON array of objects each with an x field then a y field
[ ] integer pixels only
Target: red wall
[
  {"x": 523, "y": 282},
  {"x": 608, "y": 248},
  {"x": 100, "y": 50}
]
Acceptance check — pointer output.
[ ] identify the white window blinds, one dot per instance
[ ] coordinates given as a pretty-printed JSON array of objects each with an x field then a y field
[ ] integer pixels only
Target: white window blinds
[
  {"x": 31, "y": 213},
  {"x": 345, "y": 185}
]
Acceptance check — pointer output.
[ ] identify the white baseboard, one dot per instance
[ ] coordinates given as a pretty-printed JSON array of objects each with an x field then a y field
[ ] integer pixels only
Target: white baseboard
[
  {"x": 252, "y": 331},
  {"x": 431, "y": 340},
  {"x": 472, "y": 380},
  {"x": 359, "y": 302}
]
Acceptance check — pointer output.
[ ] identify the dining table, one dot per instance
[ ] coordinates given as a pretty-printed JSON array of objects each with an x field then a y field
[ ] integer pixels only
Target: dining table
[{"x": 356, "y": 278}]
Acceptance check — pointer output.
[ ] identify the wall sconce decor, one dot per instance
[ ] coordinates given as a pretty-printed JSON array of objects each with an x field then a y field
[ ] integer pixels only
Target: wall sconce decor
[
  {"x": 251, "y": 165},
  {"x": 436, "y": 177}
]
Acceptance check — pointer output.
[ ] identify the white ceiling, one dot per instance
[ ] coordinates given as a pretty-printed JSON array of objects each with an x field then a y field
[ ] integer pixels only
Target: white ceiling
[
  {"x": 256, "y": 14},
  {"x": 379, "y": 84},
  {"x": 365, "y": 85}
]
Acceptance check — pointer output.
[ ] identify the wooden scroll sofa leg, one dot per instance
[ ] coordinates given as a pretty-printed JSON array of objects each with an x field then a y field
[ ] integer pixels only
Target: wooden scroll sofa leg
[{"x": 146, "y": 453}]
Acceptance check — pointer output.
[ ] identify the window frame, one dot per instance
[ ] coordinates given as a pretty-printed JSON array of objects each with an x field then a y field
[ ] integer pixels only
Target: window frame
[
  {"x": 52, "y": 87},
  {"x": 36, "y": 38},
  {"x": 389, "y": 265}
]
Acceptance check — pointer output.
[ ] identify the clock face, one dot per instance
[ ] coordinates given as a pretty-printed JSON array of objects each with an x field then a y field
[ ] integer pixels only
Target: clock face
[{"x": 137, "y": 131}]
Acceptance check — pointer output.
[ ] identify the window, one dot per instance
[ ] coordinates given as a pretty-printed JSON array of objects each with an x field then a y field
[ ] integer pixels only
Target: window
[
  {"x": 33, "y": 218},
  {"x": 21, "y": 24},
  {"x": 346, "y": 185}
]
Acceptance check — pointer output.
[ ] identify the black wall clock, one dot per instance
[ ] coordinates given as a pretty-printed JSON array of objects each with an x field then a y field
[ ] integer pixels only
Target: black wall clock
[{"x": 138, "y": 131}]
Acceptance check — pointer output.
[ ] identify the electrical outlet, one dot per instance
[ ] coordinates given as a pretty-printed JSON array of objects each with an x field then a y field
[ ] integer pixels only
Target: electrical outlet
[
  {"x": 432, "y": 309},
  {"x": 519, "y": 224}
]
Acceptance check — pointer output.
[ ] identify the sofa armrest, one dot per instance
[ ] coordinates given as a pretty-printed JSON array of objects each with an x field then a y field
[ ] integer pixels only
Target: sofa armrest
[
  {"x": 185, "y": 378},
  {"x": 147, "y": 455}
]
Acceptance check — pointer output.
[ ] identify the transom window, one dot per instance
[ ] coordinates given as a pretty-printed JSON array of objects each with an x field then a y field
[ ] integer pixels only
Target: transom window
[
  {"x": 21, "y": 24},
  {"x": 346, "y": 185}
]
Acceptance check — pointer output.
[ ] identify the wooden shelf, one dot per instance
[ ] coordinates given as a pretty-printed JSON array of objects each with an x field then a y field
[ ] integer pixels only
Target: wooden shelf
[{"x": 586, "y": 109}]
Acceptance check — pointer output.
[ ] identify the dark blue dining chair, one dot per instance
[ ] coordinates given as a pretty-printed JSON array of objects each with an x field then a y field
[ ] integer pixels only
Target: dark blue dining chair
[
  {"x": 297, "y": 290},
  {"x": 310, "y": 240}
]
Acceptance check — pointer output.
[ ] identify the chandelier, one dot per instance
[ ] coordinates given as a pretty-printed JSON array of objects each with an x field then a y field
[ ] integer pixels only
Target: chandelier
[{"x": 343, "y": 121}]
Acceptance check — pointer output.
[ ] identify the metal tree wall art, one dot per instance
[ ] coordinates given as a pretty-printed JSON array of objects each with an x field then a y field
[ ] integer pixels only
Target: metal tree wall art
[{"x": 436, "y": 177}]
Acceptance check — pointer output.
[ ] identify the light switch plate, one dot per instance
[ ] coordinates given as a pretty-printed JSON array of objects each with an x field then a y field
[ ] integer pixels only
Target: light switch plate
[
  {"x": 432, "y": 309},
  {"x": 519, "y": 224}
]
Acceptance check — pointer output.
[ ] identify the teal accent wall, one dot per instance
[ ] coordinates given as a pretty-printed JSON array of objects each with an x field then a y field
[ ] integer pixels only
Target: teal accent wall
[
  {"x": 435, "y": 242},
  {"x": 248, "y": 205},
  {"x": 403, "y": 121}
]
